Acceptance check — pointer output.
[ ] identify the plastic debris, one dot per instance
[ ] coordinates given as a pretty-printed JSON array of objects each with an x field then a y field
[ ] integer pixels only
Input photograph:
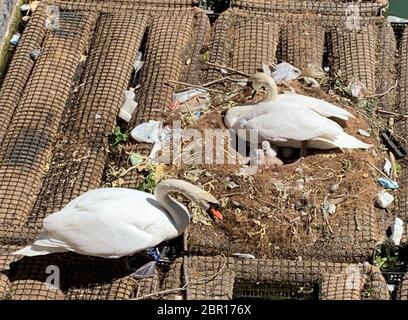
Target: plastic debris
[
  {"x": 184, "y": 96},
  {"x": 129, "y": 105},
  {"x": 243, "y": 255},
  {"x": 137, "y": 65},
  {"x": 357, "y": 88},
  {"x": 328, "y": 207},
  {"x": 35, "y": 54},
  {"x": 392, "y": 144},
  {"x": 146, "y": 271},
  {"x": 311, "y": 82},
  {"x": 363, "y": 133},
  {"x": 147, "y": 132},
  {"x": 387, "y": 167},
  {"x": 24, "y": 9},
  {"x": 394, "y": 19},
  {"x": 152, "y": 132},
  {"x": 384, "y": 199},
  {"x": 285, "y": 72},
  {"x": 396, "y": 231},
  {"x": 15, "y": 38},
  {"x": 135, "y": 158},
  {"x": 388, "y": 183}
]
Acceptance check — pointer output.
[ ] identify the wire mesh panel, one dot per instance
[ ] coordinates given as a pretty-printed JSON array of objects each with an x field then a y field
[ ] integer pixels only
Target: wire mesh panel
[
  {"x": 356, "y": 282},
  {"x": 277, "y": 279},
  {"x": 386, "y": 68},
  {"x": 34, "y": 290},
  {"x": 26, "y": 149},
  {"x": 4, "y": 286},
  {"x": 402, "y": 123},
  {"x": 403, "y": 289},
  {"x": 20, "y": 68},
  {"x": 81, "y": 152},
  {"x": 354, "y": 240},
  {"x": 365, "y": 8},
  {"x": 254, "y": 42},
  {"x": 168, "y": 36},
  {"x": 118, "y": 289},
  {"x": 209, "y": 279},
  {"x": 303, "y": 44},
  {"x": 243, "y": 41},
  {"x": 354, "y": 54},
  {"x": 173, "y": 281},
  {"x": 113, "y": 5}
]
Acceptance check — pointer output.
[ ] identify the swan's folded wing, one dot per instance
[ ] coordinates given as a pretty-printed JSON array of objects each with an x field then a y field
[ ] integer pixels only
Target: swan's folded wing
[
  {"x": 90, "y": 233},
  {"x": 292, "y": 123},
  {"x": 322, "y": 107}
]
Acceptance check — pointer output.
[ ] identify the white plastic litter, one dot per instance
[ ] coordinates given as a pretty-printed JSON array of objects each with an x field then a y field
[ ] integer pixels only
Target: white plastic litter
[
  {"x": 384, "y": 199},
  {"x": 137, "y": 65},
  {"x": 357, "y": 88},
  {"x": 152, "y": 132},
  {"x": 285, "y": 72},
  {"x": 243, "y": 255},
  {"x": 147, "y": 132},
  {"x": 184, "y": 96},
  {"x": 129, "y": 106},
  {"x": 328, "y": 207},
  {"x": 311, "y": 82},
  {"x": 15, "y": 38},
  {"x": 397, "y": 231},
  {"x": 393, "y": 19},
  {"x": 387, "y": 167},
  {"x": 363, "y": 133},
  {"x": 145, "y": 271}
]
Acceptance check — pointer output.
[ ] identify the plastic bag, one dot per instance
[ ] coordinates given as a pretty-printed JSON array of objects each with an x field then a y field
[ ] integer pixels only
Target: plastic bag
[{"x": 146, "y": 271}]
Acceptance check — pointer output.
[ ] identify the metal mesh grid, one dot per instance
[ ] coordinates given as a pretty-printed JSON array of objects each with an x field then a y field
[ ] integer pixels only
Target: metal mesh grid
[
  {"x": 354, "y": 54},
  {"x": 386, "y": 67},
  {"x": 80, "y": 155},
  {"x": 173, "y": 280},
  {"x": 254, "y": 42},
  {"x": 167, "y": 38},
  {"x": 403, "y": 289},
  {"x": 27, "y": 145},
  {"x": 402, "y": 124},
  {"x": 12, "y": 86},
  {"x": 354, "y": 241},
  {"x": 302, "y": 43},
  {"x": 4, "y": 286},
  {"x": 276, "y": 279},
  {"x": 367, "y": 8},
  {"x": 357, "y": 282}
]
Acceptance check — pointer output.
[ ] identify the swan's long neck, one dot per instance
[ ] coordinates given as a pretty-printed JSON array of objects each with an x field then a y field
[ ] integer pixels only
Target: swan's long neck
[
  {"x": 272, "y": 90},
  {"x": 176, "y": 211}
]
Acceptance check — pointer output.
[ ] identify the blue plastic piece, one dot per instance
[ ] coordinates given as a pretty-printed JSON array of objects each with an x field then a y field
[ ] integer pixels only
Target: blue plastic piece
[{"x": 388, "y": 184}]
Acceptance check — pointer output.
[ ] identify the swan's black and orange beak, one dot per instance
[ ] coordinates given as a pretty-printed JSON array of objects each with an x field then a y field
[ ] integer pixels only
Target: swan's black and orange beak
[{"x": 214, "y": 212}]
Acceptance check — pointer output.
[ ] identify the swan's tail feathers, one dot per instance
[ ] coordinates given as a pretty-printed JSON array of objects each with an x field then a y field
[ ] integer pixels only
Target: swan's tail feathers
[
  {"x": 34, "y": 250},
  {"x": 346, "y": 141},
  {"x": 43, "y": 246}
]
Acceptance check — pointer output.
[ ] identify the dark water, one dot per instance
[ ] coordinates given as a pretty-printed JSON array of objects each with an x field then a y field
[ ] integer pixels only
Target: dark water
[{"x": 399, "y": 8}]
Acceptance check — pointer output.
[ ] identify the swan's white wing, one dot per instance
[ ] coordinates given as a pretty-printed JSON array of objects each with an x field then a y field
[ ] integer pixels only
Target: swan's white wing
[
  {"x": 110, "y": 222},
  {"x": 291, "y": 122},
  {"x": 234, "y": 114},
  {"x": 322, "y": 107}
]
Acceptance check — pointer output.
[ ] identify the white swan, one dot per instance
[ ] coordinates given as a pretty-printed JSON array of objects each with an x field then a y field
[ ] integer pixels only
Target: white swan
[
  {"x": 118, "y": 222},
  {"x": 289, "y": 124}
]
